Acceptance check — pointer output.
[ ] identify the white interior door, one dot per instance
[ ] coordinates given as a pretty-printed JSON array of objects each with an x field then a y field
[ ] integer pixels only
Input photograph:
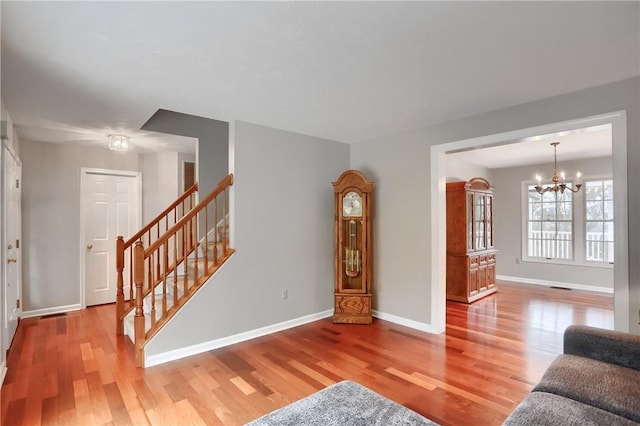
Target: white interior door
[
  {"x": 111, "y": 208},
  {"x": 11, "y": 205}
]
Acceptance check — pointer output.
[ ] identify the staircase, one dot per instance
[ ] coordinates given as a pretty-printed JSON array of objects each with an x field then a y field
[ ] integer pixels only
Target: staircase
[{"x": 164, "y": 264}]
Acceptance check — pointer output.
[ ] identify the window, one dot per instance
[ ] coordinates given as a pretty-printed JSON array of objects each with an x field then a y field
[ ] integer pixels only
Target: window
[
  {"x": 570, "y": 228},
  {"x": 599, "y": 220},
  {"x": 549, "y": 224}
]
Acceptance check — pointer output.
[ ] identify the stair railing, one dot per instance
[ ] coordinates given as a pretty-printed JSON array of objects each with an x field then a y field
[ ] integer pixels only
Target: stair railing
[
  {"x": 156, "y": 270},
  {"x": 148, "y": 234}
]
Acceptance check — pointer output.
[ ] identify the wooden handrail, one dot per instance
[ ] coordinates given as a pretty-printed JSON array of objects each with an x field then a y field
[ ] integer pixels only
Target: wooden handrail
[
  {"x": 224, "y": 183},
  {"x": 156, "y": 268},
  {"x": 161, "y": 216}
]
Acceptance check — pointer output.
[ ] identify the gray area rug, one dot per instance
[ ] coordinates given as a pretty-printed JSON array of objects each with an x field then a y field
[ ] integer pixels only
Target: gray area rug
[{"x": 345, "y": 403}]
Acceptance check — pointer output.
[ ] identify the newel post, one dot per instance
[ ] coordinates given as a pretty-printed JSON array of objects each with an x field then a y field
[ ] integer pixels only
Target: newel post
[
  {"x": 138, "y": 320},
  {"x": 120, "y": 288}
]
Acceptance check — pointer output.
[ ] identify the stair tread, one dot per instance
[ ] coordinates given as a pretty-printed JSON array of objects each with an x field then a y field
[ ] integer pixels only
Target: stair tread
[
  {"x": 200, "y": 259},
  {"x": 170, "y": 286}
]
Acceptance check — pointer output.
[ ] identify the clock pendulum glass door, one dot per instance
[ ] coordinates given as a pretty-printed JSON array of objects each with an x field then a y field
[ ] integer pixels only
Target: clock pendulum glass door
[{"x": 351, "y": 252}]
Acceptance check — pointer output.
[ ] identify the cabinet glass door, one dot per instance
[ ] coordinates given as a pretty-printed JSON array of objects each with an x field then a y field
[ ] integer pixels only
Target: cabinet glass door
[
  {"x": 479, "y": 213},
  {"x": 470, "y": 222},
  {"x": 489, "y": 220}
]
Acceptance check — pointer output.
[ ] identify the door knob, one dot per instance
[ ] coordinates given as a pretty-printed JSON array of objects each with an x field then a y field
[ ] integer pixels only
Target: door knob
[
  {"x": 89, "y": 246},
  {"x": 12, "y": 260}
]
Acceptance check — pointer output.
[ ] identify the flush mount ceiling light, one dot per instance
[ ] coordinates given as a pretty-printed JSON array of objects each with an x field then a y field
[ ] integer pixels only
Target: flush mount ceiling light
[
  {"x": 557, "y": 179},
  {"x": 118, "y": 143}
]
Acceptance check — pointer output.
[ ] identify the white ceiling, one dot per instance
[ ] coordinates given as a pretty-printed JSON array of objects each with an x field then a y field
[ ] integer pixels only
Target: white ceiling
[
  {"x": 347, "y": 71},
  {"x": 591, "y": 142}
]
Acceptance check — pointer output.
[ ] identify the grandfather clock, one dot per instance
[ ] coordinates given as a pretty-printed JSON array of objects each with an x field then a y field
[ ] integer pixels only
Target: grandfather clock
[{"x": 352, "y": 264}]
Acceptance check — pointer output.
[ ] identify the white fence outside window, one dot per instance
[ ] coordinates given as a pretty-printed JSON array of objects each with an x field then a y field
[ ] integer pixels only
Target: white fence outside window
[
  {"x": 550, "y": 244},
  {"x": 558, "y": 245}
]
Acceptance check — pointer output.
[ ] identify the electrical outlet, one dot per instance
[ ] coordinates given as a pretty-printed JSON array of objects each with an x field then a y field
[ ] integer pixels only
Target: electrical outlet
[{"x": 285, "y": 293}]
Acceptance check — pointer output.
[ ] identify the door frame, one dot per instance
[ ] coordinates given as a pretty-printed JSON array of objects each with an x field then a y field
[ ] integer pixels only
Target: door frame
[
  {"x": 183, "y": 167},
  {"x": 6, "y": 145},
  {"x": 621, "y": 285},
  {"x": 84, "y": 171}
]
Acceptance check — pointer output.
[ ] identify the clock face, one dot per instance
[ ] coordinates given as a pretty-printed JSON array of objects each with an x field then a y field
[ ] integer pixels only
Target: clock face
[{"x": 352, "y": 205}]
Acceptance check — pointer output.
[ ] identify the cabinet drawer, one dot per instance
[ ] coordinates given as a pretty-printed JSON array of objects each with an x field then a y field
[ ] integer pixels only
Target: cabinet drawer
[
  {"x": 491, "y": 258},
  {"x": 483, "y": 259},
  {"x": 474, "y": 261}
]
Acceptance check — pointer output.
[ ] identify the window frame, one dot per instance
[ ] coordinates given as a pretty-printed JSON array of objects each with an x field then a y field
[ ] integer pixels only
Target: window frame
[
  {"x": 598, "y": 178},
  {"x": 578, "y": 229}
]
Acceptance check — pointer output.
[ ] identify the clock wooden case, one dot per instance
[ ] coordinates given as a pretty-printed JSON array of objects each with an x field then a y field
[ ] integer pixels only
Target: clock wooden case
[{"x": 352, "y": 264}]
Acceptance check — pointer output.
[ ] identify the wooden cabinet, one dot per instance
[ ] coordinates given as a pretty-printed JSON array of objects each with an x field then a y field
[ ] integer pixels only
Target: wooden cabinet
[{"x": 471, "y": 256}]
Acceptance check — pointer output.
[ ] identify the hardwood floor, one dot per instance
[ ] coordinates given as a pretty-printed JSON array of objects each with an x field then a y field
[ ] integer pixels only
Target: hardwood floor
[{"x": 72, "y": 369}]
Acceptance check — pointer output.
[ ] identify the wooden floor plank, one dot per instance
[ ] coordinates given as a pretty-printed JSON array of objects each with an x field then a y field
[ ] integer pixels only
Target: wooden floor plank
[
  {"x": 75, "y": 370},
  {"x": 15, "y": 412}
]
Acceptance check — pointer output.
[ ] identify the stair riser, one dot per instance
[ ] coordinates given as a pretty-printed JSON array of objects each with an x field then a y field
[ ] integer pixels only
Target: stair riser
[
  {"x": 191, "y": 268},
  {"x": 220, "y": 232},
  {"x": 129, "y": 325},
  {"x": 210, "y": 252},
  {"x": 158, "y": 303}
]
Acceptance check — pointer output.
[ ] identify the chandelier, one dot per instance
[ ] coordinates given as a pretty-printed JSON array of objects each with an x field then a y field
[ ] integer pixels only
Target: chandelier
[
  {"x": 118, "y": 143},
  {"x": 557, "y": 179}
]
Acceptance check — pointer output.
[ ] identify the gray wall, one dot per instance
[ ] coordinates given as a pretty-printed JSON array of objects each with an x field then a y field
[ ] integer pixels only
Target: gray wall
[
  {"x": 161, "y": 181},
  {"x": 458, "y": 170},
  {"x": 400, "y": 166},
  {"x": 507, "y": 184},
  {"x": 214, "y": 150},
  {"x": 213, "y": 143},
  {"x": 283, "y": 232},
  {"x": 151, "y": 166},
  {"x": 51, "y": 218},
  {"x": 14, "y": 140}
]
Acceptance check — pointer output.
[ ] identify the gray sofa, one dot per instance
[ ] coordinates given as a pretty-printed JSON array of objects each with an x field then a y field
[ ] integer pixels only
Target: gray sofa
[{"x": 596, "y": 381}]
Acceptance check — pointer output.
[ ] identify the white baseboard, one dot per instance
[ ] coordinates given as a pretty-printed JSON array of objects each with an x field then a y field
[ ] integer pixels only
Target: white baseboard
[
  {"x": 3, "y": 372},
  {"x": 546, "y": 283},
  {"x": 175, "y": 354},
  {"x": 50, "y": 311},
  {"x": 405, "y": 322}
]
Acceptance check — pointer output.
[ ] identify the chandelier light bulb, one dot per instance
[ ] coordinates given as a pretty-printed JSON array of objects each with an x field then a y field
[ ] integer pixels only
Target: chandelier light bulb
[{"x": 558, "y": 182}]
